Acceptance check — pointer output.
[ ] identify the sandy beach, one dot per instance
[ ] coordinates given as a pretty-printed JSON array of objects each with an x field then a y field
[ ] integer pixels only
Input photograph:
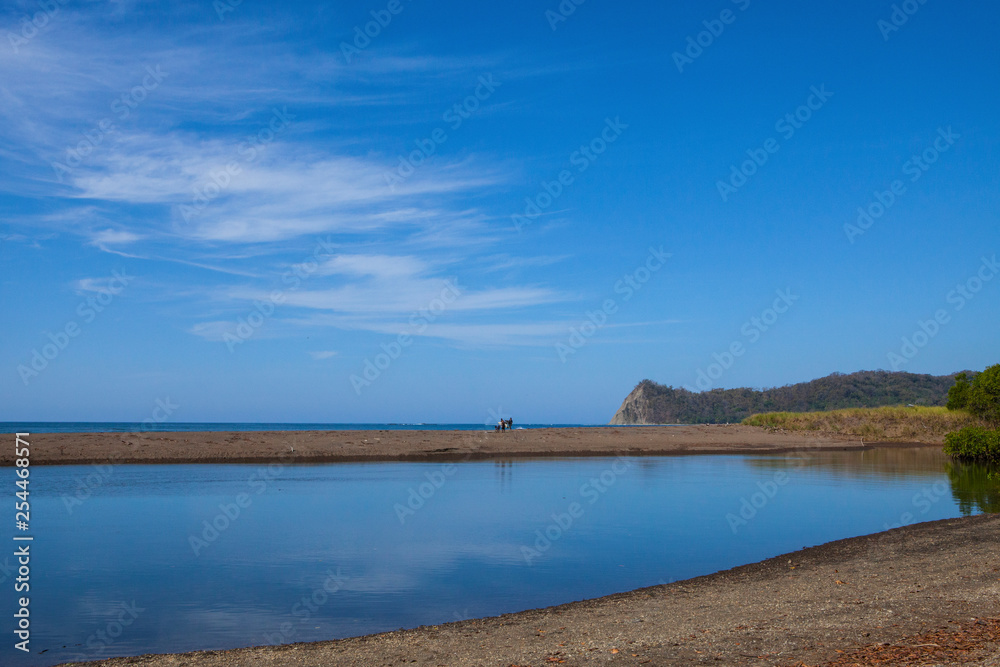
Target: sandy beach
[
  {"x": 926, "y": 594},
  {"x": 353, "y": 446}
]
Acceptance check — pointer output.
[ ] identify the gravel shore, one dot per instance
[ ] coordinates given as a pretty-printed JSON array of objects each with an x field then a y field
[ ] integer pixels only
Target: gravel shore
[{"x": 926, "y": 594}]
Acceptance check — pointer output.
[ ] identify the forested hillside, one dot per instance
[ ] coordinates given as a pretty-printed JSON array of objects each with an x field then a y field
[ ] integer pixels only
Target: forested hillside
[{"x": 652, "y": 403}]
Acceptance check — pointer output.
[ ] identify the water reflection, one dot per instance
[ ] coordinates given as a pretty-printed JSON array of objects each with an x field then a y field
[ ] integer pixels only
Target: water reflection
[
  {"x": 976, "y": 487},
  {"x": 504, "y": 470},
  {"x": 334, "y": 536},
  {"x": 882, "y": 464}
]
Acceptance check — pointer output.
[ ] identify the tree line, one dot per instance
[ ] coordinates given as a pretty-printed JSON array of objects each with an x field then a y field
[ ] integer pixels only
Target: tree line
[{"x": 865, "y": 389}]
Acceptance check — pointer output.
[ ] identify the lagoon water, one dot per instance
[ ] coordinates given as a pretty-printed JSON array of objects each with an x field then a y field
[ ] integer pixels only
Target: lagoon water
[{"x": 125, "y": 559}]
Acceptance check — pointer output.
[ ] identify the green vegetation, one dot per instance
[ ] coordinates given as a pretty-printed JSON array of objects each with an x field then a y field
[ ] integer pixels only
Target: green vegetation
[
  {"x": 981, "y": 398},
  {"x": 984, "y": 395},
  {"x": 968, "y": 423},
  {"x": 973, "y": 443},
  {"x": 958, "y": 395},
  {"x": 652, "y": 403},
  {"x": 885, "y": 424}
]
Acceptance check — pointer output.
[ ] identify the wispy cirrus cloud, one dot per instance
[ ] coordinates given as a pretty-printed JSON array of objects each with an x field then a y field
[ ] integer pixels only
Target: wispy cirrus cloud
[
  {"x": 106, "y": 237},
  {"x": 385, "y": 293},
  {"x": 409, "y": 297},
  {"x": 523, "y": 334},
  {"x": 390, "y": 285},
  {"x": 289, "y": 192},
  {"x": 377, "y": 266},
  {"x": 193, "y": 171}
]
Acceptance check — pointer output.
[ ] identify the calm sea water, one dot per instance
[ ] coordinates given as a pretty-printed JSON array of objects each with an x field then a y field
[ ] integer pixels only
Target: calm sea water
[
  {"x": 137, "y": 559},
  {"x": 180, "y": 427}
]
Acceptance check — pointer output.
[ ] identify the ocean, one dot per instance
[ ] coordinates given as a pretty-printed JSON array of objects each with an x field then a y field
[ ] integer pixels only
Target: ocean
[{"x": 187, "y": 427}]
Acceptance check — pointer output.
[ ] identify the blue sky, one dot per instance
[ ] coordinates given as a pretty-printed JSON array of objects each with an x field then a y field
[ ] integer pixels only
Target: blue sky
[{"x": 486, "y": 209}]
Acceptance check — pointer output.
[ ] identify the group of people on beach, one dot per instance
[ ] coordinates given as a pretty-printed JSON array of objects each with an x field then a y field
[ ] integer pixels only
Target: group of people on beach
[{"x": 504, "y": 425}]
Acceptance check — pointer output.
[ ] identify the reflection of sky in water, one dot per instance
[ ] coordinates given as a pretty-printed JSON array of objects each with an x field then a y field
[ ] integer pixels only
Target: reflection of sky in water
[{"x": 458, "y": 556}]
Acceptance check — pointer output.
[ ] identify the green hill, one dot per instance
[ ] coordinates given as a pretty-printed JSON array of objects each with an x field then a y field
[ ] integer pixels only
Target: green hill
[{"x": 652, "y": 403}]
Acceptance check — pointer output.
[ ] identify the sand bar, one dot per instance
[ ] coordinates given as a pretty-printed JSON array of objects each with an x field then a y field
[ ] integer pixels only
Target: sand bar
[{"x": 352, "y": 446}]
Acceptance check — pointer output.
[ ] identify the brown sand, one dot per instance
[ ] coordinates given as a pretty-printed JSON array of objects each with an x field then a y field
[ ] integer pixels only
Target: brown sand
[
  {"x": 927, "y": 594},
  {"x": 343, "y": 446}
]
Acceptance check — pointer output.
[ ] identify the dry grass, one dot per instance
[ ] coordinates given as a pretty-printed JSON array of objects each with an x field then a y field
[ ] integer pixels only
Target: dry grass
[{"x": 891, "y": 424}]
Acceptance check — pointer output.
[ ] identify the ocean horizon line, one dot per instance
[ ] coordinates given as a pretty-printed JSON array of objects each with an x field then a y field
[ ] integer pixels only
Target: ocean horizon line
[{"x": 181, "y": 427}]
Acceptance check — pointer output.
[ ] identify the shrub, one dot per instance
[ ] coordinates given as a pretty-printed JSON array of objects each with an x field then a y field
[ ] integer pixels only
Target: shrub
[
  {"x": 958, "y": 395},
  {"x": 973, "y": 443},
  {"x": 984, "y": 395}
]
